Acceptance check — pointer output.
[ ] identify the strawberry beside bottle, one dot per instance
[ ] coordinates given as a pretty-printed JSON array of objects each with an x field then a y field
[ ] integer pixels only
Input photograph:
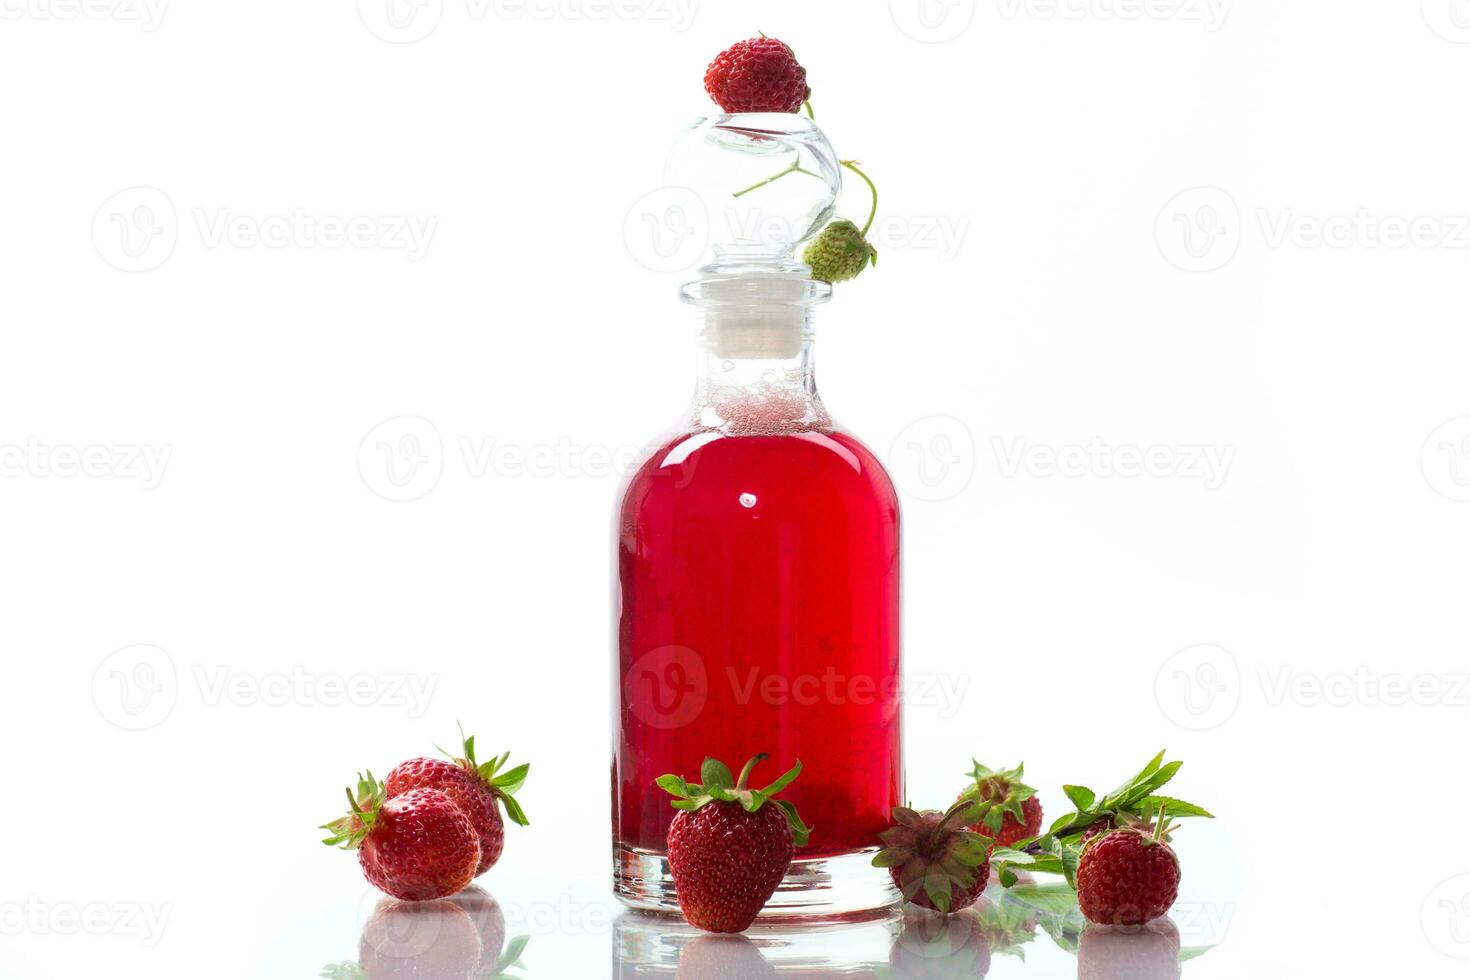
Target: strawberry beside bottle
[{"x": 433, "y": 826}]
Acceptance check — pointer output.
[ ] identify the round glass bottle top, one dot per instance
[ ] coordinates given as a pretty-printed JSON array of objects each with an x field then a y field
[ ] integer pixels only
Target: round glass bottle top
[{"x": 768, "y": 182}]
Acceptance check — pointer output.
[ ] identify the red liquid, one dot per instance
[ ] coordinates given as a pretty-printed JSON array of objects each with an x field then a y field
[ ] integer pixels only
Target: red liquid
[{"x": 759, "y": 613}]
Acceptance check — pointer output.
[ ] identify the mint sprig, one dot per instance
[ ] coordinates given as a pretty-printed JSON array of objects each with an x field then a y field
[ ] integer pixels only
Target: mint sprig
[{"x": 1135, "y": 803}]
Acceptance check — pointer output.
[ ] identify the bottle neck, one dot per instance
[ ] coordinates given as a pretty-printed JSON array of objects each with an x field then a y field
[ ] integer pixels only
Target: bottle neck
[
  {"x": 757, "y": 386},
  {"x": 755, "y": 351}
]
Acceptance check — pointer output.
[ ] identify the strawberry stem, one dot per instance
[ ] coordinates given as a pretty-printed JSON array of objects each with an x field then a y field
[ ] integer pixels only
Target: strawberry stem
[
  {"x": 852, "y": 165},
  {"x": 745, "y": 773},
  {"x": 795, "y": 168}
]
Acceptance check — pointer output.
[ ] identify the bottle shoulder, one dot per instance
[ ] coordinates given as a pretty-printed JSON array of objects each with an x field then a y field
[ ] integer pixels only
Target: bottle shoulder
[{"x": 812, "y": 459}]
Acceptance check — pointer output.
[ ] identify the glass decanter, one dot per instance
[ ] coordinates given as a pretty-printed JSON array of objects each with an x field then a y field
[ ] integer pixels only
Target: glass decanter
[{"x": 757, "y": 587}]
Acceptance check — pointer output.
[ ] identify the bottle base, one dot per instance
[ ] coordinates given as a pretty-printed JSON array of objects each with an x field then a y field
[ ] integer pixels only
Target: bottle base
[{"x": 839, "y": 887}]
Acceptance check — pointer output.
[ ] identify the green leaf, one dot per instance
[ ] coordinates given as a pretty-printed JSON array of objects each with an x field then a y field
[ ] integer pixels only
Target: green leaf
[
  {"x": 1176, "y": 808},
  {"x": 674, "y": 785},
  {"x": 716, "y": 774},
  {"x": 1082, "y": 797},
  {"x": 512, "y": 780},
  {"x": 786, "y": 780},
  {"x": 938, "y": 889},
  {"x": 800, "y": 832},
  {"x": 512, "y": 954},
  {"x": 1053, "y": 897},
  {"x": 513, "y": 811},
  {"x": 1147, "y": 771},
  {"x": 892, "y": 857}
]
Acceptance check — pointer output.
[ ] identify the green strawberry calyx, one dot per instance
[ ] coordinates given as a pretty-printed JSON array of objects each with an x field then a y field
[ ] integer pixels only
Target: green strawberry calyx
[
  {"x": 719, "y": 786},
  {"x": 504, "y": 785},
  {"x": 999, "y": 794},
  {"x": 348, "y": 832},
  {"x": 934, "y": 851}
]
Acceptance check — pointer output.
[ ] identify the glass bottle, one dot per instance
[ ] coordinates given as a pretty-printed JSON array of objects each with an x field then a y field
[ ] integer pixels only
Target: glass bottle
[{"x": 758, "y": 591}]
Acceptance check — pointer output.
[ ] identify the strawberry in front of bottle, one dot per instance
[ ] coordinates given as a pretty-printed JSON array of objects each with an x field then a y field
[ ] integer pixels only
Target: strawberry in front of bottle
[{"x": 730, "y": 846}]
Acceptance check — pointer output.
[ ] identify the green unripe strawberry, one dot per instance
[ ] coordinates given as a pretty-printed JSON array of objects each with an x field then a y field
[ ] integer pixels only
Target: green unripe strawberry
[{"x": 839, "y": 253}]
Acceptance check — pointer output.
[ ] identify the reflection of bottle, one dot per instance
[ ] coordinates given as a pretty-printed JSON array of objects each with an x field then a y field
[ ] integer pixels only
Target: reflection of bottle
[{"x": 758, "y": 578}]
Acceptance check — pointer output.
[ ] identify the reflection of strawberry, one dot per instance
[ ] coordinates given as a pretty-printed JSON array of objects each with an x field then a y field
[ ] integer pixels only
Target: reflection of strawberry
[
  {"x": 417, "y": 940},
  {"x": 728, "y": 850},
  {"x": 489, "y": 922},
  {"x": 933, "y": 859},
  {"x": 416, "y": 846},
  {"x": 1127, "y": 877},
  {"x": 758, "y": 75},
  {"x": 479, "y": 789},
  {"x": 1149, "y": 952},
  {"x": 935, "y": 947},
  {"x": 1012, "y": 811},
  {"x": 723, "y": 957}
]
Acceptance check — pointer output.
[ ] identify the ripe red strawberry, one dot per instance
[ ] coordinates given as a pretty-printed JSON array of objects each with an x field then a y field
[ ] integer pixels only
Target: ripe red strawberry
[
  {"x": 758, "y": 75},
  {"x": 728, "y": 850},
  {"x": 934, "y": 861},
  {"x": 416, "y": 846},
  {"x": 477, "y": 789},
  {"x": 1011, "y": 810},
  {"x": 1126, "y": 877}
]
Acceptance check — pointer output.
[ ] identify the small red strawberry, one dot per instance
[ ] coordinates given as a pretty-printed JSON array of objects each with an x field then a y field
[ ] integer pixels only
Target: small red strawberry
[
  {"x": 933, "y": 859},
  {"x": 758, "y": 75},
  {"x": 728, "y": 850},
  {"x": 479, "y": 789},
  {"x": 1126, "y": 877},
  {"x": 1012, "y": 812},
  {"x": 416, "y": 846}
]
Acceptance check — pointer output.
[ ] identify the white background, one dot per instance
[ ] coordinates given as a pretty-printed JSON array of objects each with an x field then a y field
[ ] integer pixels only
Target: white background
[{"x": 1177, "y": 226}]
